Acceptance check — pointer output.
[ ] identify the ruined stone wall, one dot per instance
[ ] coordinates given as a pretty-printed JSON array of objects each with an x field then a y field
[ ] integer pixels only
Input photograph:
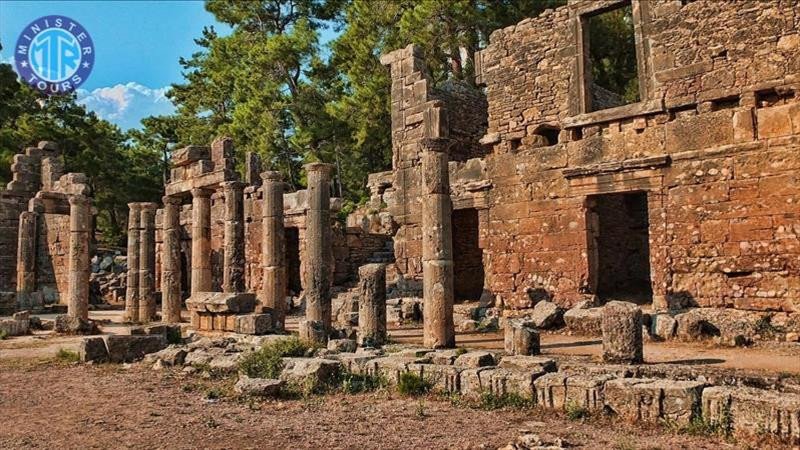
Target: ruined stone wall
[
  {"x": 11, "y": 205},
  {"x": 714, "y": 144},
  {"x": 52, "y": 245}
]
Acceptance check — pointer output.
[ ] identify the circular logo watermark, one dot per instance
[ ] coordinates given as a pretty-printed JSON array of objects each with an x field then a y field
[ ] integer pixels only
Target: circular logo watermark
[{"x": 54, "y": 54}]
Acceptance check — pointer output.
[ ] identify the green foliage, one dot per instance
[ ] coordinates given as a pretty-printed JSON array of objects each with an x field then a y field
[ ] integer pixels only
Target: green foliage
[
  {"x": 576, "y": 411},
  {"x": 67, "y": 356},
  {"x": 412, "y": 384},
  {"x": 267, "y": 362},
  {"x": 351, "y": 383},
  {"x": 490, "y": 401},
  {"x": 3, "y": 335},
  {"x": 700, "y": 426}
]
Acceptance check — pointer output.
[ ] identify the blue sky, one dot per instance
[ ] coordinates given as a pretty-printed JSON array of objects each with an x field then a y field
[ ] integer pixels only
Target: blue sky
[{"x": 137, "y": 46}]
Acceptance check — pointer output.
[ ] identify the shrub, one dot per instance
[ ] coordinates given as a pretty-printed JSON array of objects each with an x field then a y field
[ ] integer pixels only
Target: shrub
[
  {"x": 576, "y": 411},
  {"x": 267, "y": 361},
  {"x": 67, "y": 356},
  {"x": 491, "y": 401},
  {"x": 412, "y": 384},
  {"x": 3, "y": 334},
  {"x": 351, "y": 383}
]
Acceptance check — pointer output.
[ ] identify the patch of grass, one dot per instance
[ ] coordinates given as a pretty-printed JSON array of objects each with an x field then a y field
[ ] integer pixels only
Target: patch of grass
[
  {"x": 351, "y": 383},
  {"x": 460, "y": 351},
  {"x": 3, "y": 335},
  {"x": 700, "y": 426},
  {"x": 412, "y": 384},
  {"x": 576, "y": 411},
  {"x": 420, "y": 411},
  {"x": 67, "y": 356},
  {"x": 267, "y": 361},
  {"x": 489, "y": 401}
]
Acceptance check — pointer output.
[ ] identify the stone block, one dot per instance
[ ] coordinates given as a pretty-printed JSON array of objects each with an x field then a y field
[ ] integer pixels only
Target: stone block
[
  {"x": 626, "y": 401},
  {"x": 226, "y": 362},
  {"x": 354, "y": 362},
  {"x": 258, "y": 387},
  {"x": 190, "y": 154},
  {"x": 662, "y": 326},
  {"x": 222, "y": 302},
  {"x": 255, "y": 324},
  {"x": 546, "y": 315},
  {"x": 170, "y": 356},
  {"x": 750, "y": 411},
  {"x": 622, "y": 333},
  {"x": 312, "y": 331},
  {"x": 342, "y": 345},
  {"x": 122, "y": 348},
  {"x": 475, "y": 359},
  {"x": 533, "y": 363},
  {"x": 93, "y": 349},
  {"x": 585, "y": 321},
  {"x": 442, "y": 378},
  {"x": 586, "y": 391},
  {"x": 74, "y": 325},
  {"x": 521, "y": 338},
  {"x": 310, "y": 373}
]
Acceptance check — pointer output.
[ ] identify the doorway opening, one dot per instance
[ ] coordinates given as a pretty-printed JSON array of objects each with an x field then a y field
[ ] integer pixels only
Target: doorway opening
[
  {"x": 619, "y": 247},
  {"x": 292, "y": 236},
  {"x": 467, "y": 256}
]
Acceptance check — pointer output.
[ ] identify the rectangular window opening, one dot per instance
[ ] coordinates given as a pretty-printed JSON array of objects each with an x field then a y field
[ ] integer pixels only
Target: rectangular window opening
[{"x": 612, "y": 69}]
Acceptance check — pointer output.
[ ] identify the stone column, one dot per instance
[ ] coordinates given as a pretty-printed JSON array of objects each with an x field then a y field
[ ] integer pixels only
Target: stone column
[
  {"x": 132, "y": 290},
  {"x": 78, "y": 265},
  {"x": 318, "y": 243},
  {"x": 171, "y": 261},
  {"x": 622, "y": 333},
  {"x": 521, "y": 338},
  {"x": 273, "y": 257},
  {"x": 372, "y": 305},
  {"x": 26, "y": 259},
  {"x": 201, "y": 240},
  {"x": 147, "y": 262},
  {"x": 233, "y": 253},
  {"x": 437, "y": 251}
]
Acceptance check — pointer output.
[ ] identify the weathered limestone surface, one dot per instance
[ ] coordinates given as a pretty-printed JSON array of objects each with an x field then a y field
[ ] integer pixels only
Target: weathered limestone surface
[
  {"x": 171, "y": 261},
  {"x": 201, "y": 240},
  {"x": 273, "y": 255},
  {"x": 318, "y": 244},
  {"x": 147, "y": 262},
  {"x": 372, "y": 305},
  {"x": 80, "y": 218},
  {"x": 134, "y": 239},
  {"x": 622, "y": 333},
  {"x": 233, "y": 251},
  {"x": 753, "y": 411},
  {"x": 521, "y": 338}
]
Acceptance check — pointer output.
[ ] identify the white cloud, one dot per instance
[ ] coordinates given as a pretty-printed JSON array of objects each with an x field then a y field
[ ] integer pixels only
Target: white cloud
[{"x": 126, "y": 104}]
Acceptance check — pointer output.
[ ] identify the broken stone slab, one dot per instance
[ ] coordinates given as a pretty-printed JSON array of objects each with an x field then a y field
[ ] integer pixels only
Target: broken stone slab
[
  {"x": 67, "y": 324},
  {"x": 169, "y": 357},
  {"x": 475, "y": 359},
  {"x": 546, "y": 315},
  {"x": 522, "y": 362},
  {"x": 354, "y": 362},
  {"x": 123, "y": 348},
  {"x": 93, "y": 349},
  {"x": 445, "y": 357},
  {"x": 586, "y": 391},
  {"x": 751, "y": 411},
  {"x": 584, "y": 321},
  {"x": 551, "y": 390},
  {"x": 255, "y": 324},
  {"x": 222, "y": 302},
  {"x": 258, "y": 387},
  {"x": 648, "y": 400},
  {"x": 342, "y": 345},
  {"x": 14, "y": 327},
  {"x": 226, "y": 362},
  {"x": 310, "y": 373},
  {"x": 202, "y": 357},
  {"x": 391, "y": 367}
]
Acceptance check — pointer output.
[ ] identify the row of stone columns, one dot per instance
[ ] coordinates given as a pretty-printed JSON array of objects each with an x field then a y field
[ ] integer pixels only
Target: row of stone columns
[{"x": 140, "y": 305}]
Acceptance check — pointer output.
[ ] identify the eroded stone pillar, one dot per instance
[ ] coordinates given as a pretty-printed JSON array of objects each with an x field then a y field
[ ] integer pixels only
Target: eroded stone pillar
[
  {"x": 147, "y": 261},
  {"x": 622, "y": 333},
  {"x": 171, "y": 261},
  {"x": 372, "y": 305},
  {"x": 233, "y": 246},
  {"x": 318, "y": 243},
  {"x": 78, "y": 265},
  {"x": 437, "y": 251},
  {"x": 273, "y": 257},
  {"x": 26, "y": 258},
  {"x": 132, "y": 289},
  {"x": 201, "y": 240}
]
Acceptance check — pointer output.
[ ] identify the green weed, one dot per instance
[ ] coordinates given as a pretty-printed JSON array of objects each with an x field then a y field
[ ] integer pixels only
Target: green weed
[
  {"x": 412, "y": 384},
  {"x": 67, "y": 356},
  {"x": 267, "y": 361}
]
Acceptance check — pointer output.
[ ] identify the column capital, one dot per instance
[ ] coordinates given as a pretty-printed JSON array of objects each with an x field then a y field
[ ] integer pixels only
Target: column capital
[
  {"x": 134, "y": 205},
  {"x": 171, "y": 200},
  {"x": 78, "y": 200},
  {"x": 323, "y": 168},
  {"x": 271, "y": 175},
  {"x": 148, "y": 206},
  {"x": 202, "y": 192},
  {"x": 233, "y": 185}
]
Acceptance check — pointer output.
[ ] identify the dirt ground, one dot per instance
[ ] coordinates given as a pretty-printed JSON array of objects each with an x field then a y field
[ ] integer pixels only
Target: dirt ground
[{"x": 55, "y": 405}]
